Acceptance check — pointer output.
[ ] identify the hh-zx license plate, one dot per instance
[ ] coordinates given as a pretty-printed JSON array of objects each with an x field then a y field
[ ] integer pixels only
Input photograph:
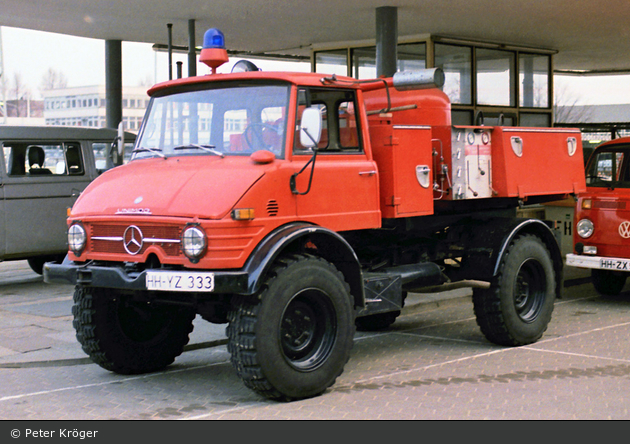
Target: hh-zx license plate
[
  {"x": 179, "y": 281},
  {"x": 615, "y": 264}
]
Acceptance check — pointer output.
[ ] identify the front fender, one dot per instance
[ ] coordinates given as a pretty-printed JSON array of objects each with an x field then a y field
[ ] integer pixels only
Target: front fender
[{"x": 294, "y": 238}]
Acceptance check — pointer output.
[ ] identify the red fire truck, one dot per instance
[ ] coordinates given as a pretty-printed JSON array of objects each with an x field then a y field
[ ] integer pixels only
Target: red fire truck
[
  {"x": 602, "y": 218},
  {"x": 296, "y": 207}
]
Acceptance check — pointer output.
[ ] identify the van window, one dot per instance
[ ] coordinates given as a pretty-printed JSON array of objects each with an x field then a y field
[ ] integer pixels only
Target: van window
[
  {"x": 42, "y": 159},
  {"x": 609, "y": 168}
]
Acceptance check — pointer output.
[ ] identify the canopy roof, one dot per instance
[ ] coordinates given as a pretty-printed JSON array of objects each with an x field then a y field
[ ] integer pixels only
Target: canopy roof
[{"x": 587, "y": 35}]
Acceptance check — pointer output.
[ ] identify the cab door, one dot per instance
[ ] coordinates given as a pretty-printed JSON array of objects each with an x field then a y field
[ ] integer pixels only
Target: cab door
[
  {"x": 43, "y": 179},
  {"x": 339, "y": 188}
]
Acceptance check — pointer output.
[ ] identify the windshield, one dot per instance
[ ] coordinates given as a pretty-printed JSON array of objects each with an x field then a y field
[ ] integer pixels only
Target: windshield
[
  {"x": 233, "y": 120},
  {"x": 609, "y": 168}
]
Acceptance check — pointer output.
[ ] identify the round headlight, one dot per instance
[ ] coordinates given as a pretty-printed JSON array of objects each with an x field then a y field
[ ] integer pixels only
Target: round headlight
[
  {"x": 194, "y": 242},
  {"x": 76, "y": 238},
  {"x": 585, "y": 228}
]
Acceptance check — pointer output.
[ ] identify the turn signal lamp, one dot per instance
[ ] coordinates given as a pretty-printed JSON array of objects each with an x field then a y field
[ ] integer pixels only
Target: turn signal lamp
[
  {"x": 213, "y": 52},
  {"x": 243, "y": 214},
  {"x": 587, "y": 204}
]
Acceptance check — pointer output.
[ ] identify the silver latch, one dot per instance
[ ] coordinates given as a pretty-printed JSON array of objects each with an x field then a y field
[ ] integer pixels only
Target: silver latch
[
  {"x": 517, "y": 145},
  {"x": 422, "y": 174}
]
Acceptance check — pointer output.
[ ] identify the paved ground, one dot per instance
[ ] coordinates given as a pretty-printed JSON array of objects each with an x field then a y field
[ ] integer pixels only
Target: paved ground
[{"x": 432, "y": 364}]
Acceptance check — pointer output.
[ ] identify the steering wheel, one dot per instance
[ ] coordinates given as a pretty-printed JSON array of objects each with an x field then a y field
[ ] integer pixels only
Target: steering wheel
[{"x": 254, "y": 135}]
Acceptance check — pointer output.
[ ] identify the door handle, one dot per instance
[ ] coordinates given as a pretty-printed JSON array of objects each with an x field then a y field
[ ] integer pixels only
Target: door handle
[{"x": 367, "y": 173}]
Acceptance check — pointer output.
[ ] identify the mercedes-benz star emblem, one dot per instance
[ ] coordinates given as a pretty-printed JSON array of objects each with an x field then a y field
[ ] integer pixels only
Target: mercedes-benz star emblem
[
  {"x": 132, "y": 240},
  {"x": 624, "y": 229}
]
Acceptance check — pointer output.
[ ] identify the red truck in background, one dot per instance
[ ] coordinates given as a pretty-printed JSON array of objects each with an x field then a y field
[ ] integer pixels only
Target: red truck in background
[
  {"x": 296, "y": 207},
  {"x": 602, "y": 218}
]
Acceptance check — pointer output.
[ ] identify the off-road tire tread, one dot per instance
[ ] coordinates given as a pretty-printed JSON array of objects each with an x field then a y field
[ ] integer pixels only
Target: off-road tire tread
[
  {"x": 487, "y": 306},
  {"x": 242, "y": 326},
  {"x": 90, "y": 335}
]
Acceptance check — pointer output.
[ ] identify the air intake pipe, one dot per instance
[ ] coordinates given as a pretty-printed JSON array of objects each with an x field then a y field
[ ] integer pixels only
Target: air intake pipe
[
  {"x": 420, "y": 79},
  {"x": 404, "y": 80}
]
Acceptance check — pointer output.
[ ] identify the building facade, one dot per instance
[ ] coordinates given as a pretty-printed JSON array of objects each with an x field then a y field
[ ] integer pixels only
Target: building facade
[
  {"x": 503, "y": 83},
  {"x": 85, "y": 106}
]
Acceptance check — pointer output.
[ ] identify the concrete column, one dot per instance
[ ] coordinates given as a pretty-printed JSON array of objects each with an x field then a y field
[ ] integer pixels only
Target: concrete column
[
  {"x": 386, "y": 40},
  {"x": 113, "y": 83},
  {"x": 192, "y": 52}
]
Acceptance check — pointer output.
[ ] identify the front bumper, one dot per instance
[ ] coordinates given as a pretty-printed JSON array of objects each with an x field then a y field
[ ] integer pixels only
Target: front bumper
[
  {"x": 114, "y": 276},
  {"x": 598, "y": 262}
]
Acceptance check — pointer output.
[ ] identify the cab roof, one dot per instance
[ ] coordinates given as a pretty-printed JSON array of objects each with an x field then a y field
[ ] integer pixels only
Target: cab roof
[{"x": 298, "y": 78}]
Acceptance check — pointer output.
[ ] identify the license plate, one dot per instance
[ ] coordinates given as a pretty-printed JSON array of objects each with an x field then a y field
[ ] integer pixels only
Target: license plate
[
  {"x": 179, "y": 281},
  {"x": 615, "y": 264}
]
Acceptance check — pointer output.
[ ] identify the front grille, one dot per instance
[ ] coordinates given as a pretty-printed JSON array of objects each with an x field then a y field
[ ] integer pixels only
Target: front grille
[{"x": 109, "y": 238}]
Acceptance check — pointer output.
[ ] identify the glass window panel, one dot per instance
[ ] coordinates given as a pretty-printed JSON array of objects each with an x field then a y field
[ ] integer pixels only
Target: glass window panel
[
  {"x": 607, "y": 169},
  {"x": 25, "y": 159},
  {"x": 459, "y": 117},
  {"x": 232, "y": 119},
  {"x": 332, "y": 62},
  {"x": 412, "y": 56},
  {"x": 536, "y": 120},
  {"x": 493, "y": 119},
  {"x": 364, "y": 63},
  {"x": 495, "y": 73},
  {"x": 534, "y": 80},
  {"x": 456, "y": 61},
  {"x": 348, "y": 133}
]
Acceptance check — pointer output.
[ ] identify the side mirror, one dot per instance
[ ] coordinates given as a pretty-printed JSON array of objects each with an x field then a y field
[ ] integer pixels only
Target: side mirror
[
  {"x": 311, "y": 127},
  {"x": 117, "y": 149},
  {"x": 121, "y": 140}
]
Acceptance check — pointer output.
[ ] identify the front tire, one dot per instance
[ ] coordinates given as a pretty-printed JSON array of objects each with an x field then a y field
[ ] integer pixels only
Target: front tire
[
  {"x": 293, "y": 339},
  {"x": 129, "y": 337},
  {"x": 607, "y": 282},
  {"x": 516, "y": 309}
]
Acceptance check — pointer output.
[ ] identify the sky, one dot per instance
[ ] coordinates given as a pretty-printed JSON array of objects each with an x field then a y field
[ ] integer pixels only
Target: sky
[{"x": 82, "y": 61}]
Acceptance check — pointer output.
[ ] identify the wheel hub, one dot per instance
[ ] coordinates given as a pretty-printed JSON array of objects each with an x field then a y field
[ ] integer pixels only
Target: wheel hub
[
  {"x": 298, "y": 327},
  {"x": 308, "y": 330},
  {"x": 529, "y": 291}
]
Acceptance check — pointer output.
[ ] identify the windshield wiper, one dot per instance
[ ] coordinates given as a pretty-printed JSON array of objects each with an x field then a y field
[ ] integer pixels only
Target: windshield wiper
[
  {"x": 206, "y": 148},
  {"x": 157, "y": 151}
]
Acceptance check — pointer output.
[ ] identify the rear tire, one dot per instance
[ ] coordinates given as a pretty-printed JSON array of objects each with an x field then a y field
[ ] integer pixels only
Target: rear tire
[
  {"x": 129, "y": 337},
  {"x": 293, "y": 339},
  {"x": 516, "y": 309}
]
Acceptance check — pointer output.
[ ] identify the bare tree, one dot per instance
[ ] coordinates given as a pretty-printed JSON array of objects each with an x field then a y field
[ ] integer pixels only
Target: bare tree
[
  {"x": 18, "y": 89},
  {"x": 20, "y": 93},
  {"x": 53, "y": 80},
  {"x": 567, "y": 108},
  {"x": 146, "y": 82}
]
